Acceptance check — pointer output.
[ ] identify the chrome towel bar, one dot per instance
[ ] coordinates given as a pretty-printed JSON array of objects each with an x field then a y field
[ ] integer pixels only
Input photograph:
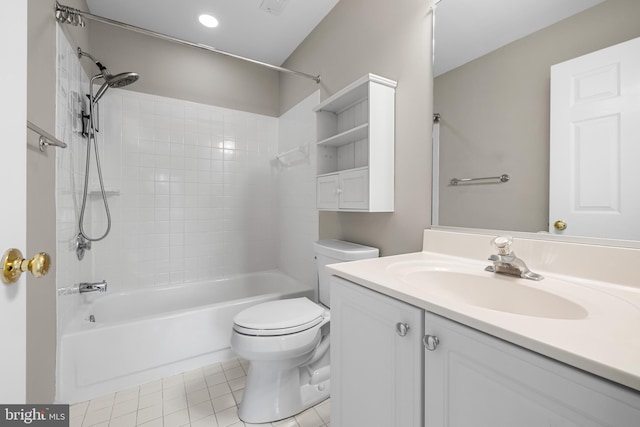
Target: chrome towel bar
[
  {"x": 502, "y": 178},
  {"x": 46, "y": 139}
]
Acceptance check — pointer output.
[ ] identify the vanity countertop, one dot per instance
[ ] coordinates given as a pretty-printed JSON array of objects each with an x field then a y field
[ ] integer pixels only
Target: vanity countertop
[{"x": 603, "y": 341}]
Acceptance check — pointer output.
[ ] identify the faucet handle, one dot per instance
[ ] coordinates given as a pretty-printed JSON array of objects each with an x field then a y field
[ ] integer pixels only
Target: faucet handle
[{"x": 503, "y": 244}]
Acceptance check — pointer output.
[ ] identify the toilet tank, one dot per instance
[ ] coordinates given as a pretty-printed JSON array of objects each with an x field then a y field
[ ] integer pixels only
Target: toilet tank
[{"x": 333, "y": 251}]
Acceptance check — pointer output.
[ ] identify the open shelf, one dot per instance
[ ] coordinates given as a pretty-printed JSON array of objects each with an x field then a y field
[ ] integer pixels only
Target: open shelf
[{"x": 354, "y": 134}]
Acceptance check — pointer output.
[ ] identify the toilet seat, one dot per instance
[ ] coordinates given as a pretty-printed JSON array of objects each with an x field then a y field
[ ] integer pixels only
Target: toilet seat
[{"x": 281, "y": 317}]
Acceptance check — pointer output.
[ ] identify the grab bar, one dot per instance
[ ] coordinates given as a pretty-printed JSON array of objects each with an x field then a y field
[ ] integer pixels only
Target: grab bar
[
  {"x": 501, "y": 178},
  {"x": 46, "y": 139}
]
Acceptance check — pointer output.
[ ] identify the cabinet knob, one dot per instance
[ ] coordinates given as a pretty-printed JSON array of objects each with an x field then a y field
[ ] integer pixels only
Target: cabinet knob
[
  {"x": 430, "y": 342},
  {"x": 402, "y": 329}
]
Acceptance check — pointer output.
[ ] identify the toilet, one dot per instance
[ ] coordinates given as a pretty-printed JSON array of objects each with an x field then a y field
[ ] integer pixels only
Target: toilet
[{"x": 287, "y": 344}]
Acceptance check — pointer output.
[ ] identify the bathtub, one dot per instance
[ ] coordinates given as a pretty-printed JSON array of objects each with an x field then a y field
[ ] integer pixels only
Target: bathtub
[{"x": 124, "y": 339}]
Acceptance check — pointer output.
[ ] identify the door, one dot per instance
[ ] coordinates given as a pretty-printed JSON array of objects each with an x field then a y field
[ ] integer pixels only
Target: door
[
  {"x": 327, "y": 191},
  {"x": 354, "y": 187},
  {"x": 594, "y": 152},
  {"x": 476, "y": 380},
  {"x": 376, "y": 359},
  {"x": 13, "y": 150}
]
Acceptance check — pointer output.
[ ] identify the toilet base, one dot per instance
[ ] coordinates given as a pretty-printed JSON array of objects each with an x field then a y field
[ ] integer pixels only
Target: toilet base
[{"x": 272, "y": 393}]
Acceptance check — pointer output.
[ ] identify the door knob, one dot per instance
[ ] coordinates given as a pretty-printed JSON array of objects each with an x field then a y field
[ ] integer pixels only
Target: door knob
[
  {"x": 560, "y": 225},
  {"x": 13, "y": 265}
]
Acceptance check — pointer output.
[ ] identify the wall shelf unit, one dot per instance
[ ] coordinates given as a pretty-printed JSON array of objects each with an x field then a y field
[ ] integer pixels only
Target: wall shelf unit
[{"x": 355, "y": 146}]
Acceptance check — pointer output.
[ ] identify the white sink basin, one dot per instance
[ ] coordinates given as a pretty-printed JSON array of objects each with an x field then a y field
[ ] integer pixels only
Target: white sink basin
[{"x": 472, "y": 285}]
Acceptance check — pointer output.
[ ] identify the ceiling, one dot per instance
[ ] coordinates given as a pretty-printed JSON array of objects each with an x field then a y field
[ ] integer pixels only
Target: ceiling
[
  {"x": 468, "y": 29},
  {"x": 246, "y": 27}
]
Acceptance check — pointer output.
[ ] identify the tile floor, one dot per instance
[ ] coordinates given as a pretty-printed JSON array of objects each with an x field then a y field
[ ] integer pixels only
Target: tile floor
[{"x": 206, "y": 397}]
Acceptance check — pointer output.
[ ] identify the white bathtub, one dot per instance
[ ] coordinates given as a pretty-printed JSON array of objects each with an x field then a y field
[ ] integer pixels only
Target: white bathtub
[{"x": 143, "y": 335}]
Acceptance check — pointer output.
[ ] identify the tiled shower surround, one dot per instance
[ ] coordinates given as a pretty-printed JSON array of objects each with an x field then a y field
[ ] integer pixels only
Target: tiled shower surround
[{"x": 195, "y": 191}]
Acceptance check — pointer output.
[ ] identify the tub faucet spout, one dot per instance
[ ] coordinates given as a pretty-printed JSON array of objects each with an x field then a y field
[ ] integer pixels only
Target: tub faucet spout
[{"x": 93, "y": 287}]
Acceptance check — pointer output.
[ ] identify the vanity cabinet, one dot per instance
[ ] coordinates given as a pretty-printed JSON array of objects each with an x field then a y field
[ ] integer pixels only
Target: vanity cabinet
[
  {"x": 376, "y": 359},
  {"x": 471, "y": 378},
  {"x": 355, "y": 147}
]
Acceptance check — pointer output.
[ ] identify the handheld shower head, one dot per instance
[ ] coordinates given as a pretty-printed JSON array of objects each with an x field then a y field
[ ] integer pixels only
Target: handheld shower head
[{"x": 117, "y": 81}]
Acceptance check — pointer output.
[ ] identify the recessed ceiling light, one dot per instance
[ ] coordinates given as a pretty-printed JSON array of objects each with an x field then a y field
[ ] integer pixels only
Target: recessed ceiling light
[{"x": 208, "y": 21}]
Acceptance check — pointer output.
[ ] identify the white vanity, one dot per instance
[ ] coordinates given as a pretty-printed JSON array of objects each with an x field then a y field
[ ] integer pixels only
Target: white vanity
[{"x": 432, "y": 339}]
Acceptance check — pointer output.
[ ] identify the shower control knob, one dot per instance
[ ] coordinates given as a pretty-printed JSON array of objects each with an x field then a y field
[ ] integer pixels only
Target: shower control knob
[
  {"x": 430, "y": 342},
  {"x": 402, "y": 329}
]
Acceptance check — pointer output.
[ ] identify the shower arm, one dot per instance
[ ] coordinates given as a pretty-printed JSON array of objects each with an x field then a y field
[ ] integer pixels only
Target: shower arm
[{"x": 69, "y": 15}]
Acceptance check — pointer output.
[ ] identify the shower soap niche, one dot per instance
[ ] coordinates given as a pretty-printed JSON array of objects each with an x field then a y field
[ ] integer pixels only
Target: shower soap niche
[{"x": 355, "y": 148}]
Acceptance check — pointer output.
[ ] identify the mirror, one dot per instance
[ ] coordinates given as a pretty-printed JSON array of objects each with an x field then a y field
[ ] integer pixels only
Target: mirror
[{"x": 492, "y": 95}]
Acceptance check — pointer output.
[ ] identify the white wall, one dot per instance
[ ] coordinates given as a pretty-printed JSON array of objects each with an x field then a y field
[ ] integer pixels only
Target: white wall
[{"x": 297, "y": 214}]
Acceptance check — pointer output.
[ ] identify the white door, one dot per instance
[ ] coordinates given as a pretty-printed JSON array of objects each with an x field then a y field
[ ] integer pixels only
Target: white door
[
  {"x": 595, "y": 149},
  {"x": 13, "y": 150},
  {"x": 327, "y": 188},
  {"x": 476, "y": 380},
  {"x": 354, "y": 187}
]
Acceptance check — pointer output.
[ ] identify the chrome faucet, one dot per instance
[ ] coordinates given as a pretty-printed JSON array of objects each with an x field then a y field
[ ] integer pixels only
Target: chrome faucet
[
  {"x": 93, "y": 287},
  {"x": 506, "y": 261}
]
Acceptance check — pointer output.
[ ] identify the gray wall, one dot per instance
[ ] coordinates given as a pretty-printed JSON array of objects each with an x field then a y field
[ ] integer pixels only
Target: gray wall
[
  {"x": 182, "y": 72},
  {"x": 41, "y": 217},
  {"x": 495, "y": 119},
  {"x": 392, "y": 39}
]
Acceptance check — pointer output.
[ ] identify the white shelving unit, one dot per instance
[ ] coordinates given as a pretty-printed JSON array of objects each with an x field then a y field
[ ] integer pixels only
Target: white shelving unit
[{"x": 356, "y": 145}]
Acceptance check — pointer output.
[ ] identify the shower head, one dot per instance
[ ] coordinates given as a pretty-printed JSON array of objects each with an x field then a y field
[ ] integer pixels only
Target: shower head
[{"x": 117, "y": 81}]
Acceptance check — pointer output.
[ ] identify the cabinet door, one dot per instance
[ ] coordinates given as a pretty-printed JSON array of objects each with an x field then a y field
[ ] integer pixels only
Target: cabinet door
[
  {"x": 376, "y": 374},
  {"x": 354, "y": 189},
  {"x": 327, "y": 191},
  {"x": 475, "y": 380}
]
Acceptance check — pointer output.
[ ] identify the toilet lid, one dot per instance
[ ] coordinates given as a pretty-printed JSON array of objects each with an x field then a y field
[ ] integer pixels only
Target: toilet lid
[{"x": 279, "y": 317}]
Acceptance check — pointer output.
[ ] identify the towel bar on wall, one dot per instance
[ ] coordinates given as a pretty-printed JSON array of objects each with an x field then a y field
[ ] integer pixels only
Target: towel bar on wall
[
  {"x": 46, "y": 139},
  {"x": 500, "y": 179}
]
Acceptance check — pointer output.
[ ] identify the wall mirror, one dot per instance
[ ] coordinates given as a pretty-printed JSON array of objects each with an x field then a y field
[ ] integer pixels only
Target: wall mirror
[{"x": 492, "y": 94}]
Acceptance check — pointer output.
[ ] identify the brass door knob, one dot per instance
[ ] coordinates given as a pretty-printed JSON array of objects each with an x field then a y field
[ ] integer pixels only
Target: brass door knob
[
  {"x": 560, "y": 225},
  {"x": 13, "y": 265}
]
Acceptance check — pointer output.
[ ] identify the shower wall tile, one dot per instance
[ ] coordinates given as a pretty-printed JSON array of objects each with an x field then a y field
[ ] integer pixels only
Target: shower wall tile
[
  {"x": 72, "y": 86},
  {"x": 192, "y": 204},
  {"x": 297, "y": 214}
]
